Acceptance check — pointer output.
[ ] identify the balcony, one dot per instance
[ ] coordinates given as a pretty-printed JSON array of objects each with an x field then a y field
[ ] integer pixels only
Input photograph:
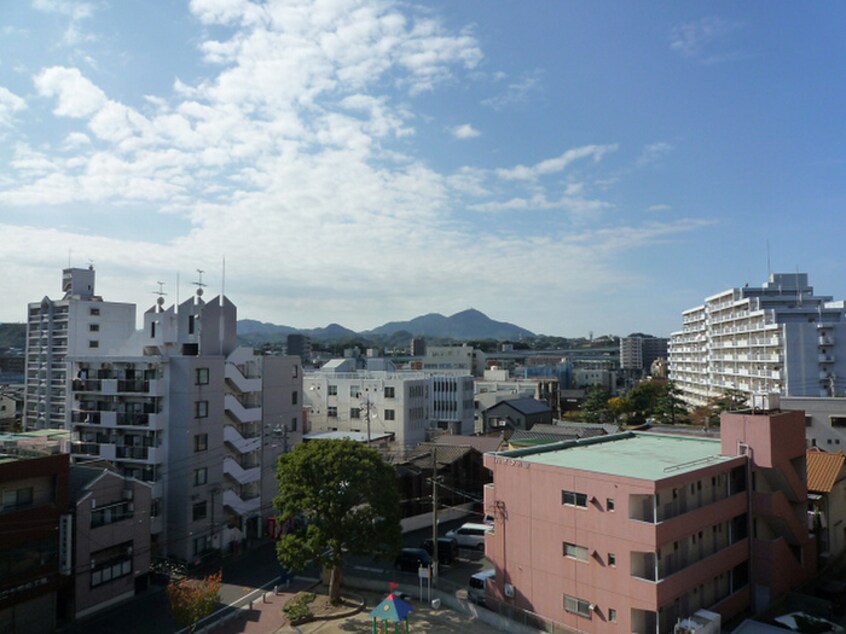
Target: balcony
[
  {"x": 241, "y": 475},
  {"x": 239, "y": 412},
  {"x": 243, "y": 444},
  {"x": 132, "y": 453},
  {"x": 240, "y": 505},
  {"x": 132, "y": 419}
]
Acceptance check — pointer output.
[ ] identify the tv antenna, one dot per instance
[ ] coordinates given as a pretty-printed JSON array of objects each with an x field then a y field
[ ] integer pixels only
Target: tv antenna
[
  {"x": 160, "y": 300},
  {"x": 199, "y": 283}
]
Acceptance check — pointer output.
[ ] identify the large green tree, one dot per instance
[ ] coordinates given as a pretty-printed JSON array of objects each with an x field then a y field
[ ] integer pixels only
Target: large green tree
[{"x": 344, "y": 499}]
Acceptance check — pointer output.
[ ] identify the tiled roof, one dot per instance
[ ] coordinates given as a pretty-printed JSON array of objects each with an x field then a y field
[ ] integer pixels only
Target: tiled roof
[
  {"x": 525, "y": 405},
  {"x": 824, "y": 469}
]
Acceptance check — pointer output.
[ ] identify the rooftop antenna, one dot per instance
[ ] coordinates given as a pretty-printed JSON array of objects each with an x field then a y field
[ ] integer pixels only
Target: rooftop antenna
[
  {"x": 69, "y": 257},
  {"x": 223, "y": 278},
  {"x": 160, "y": 300},
  {"x": 798, "y": 290},
  {"x": 177, "y": 289},
  {"x": 199, "y": 283},
  {"x": 769, "y": 269}
]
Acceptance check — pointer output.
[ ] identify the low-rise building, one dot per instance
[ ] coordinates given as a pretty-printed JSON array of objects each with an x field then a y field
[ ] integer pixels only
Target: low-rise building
[
  {"x": 632, "y": 532},
  {"x": 827, "y": 502}
]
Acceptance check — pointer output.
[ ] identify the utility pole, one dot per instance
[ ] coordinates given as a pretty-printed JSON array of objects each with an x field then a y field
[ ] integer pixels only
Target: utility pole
[{"x": 435, "y": 516}]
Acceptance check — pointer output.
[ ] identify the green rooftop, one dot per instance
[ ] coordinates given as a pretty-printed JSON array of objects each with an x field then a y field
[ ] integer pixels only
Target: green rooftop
[{"x": 646, "y": 456}]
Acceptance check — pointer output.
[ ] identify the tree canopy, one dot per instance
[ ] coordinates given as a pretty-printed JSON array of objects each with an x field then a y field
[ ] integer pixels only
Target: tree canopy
[{"x": 341, "y": 497}]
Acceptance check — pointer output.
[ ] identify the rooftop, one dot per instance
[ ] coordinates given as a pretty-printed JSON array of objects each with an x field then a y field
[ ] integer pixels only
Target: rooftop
[{"x": 640, "y": 455}]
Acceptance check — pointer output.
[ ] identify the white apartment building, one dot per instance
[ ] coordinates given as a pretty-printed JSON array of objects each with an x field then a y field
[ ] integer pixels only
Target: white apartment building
[
  {"x": 79, "y": 323},
  {"x": 370, "y": 402},
  {"x": 779, "y": 337},
  {"x": 177, "y": 405},
  {"x": 443, "y": 360}
]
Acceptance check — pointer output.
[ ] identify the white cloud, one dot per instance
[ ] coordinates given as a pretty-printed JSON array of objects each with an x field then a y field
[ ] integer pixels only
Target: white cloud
[
  {"x": 653, "y": 152},
  {"x": 557, "y": 164},
  {"x": 516, "y": 93},
  {"x": 78, "y": 97},
  {"x": 699, "y": 39},
  {"x": 658, "y": 208},
  {"x": 10, "y": 103},
  {"x": 465, "y": 131},
  {"x": 74, "y": 10}
]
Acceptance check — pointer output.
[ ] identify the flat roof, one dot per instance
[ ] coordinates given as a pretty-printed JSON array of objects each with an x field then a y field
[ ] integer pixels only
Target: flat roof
[{"x": 641, "y": 455}]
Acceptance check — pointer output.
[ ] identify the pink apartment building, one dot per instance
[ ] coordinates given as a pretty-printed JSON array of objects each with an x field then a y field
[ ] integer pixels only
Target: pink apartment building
[{"x": 634, "y": 531}]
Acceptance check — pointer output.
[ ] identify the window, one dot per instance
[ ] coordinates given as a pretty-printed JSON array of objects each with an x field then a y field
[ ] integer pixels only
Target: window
[
  {"x": 612, "y": 559},
  {"x": 575, "y": 551},
  {"x": 94, "y": 311},
  {"x": 201, "y": 409},
  {"x": 111, "y": 514},
  {"x": 201, "y": 544},
  {"x": 389, "y": 391},
  {"x": 609, "y": 504},
  {"x": 200, "y": 511},
  {"x": 93, "y": 344},
  {"x": 574, "y": 605},
  {"x": 332, "y": 411},
  {"x": 201, "y": 476},
  {"x": 571, "y": 498},
  {"x": 355, "y": 391},
  {"x": 612, "y": 615},
  {"x": 294, "y": 424},
  {"x": 111, "y": 563},
  {"x": 389, "y": 414},
  {"x": 93, "y": 327},
  {"x": 152, "y": 329},
  {"x": 17, "y": 498},
  {"x": 838, "y": 421},
  {"x": 201, "y": 442},
  {"x": 295, "y": 371},
  {"x": 294, "y": 397},
  {"x": 190, "y": 324},
  {"x": 333, "y": 390},
  {"x": 201, "y": 376}
]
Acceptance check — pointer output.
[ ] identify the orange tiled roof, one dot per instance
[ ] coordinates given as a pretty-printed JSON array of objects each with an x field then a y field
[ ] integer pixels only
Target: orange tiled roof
[{"x": 823, "y": 469}]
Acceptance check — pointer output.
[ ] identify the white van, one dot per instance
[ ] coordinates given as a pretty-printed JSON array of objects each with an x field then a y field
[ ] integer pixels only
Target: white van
[
  {"x": 476, "y": 592},
  {"x": 470, "y": 535}
]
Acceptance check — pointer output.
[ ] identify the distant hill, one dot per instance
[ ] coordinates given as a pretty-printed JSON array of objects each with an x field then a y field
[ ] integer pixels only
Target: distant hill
[{"x": 468, "y": 324}]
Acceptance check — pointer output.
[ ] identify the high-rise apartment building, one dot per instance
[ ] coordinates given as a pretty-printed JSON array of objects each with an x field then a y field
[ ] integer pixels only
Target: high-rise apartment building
[
  {"x": 777, "y": 338},
  {"x": 79, "y": 323},
  {"x": 199, "y": 418},
  {"x": 638, "y": 352}
]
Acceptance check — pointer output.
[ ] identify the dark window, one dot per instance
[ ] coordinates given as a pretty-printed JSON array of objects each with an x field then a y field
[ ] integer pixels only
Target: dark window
[
  {"x": 201, "y": 442},
  {"x": 574, "y": 605},
  {"x": 17, "y": 498},
  {"x": 190, "y": 324},
  {"x": 111, "y": 514},
  {"x": 389, "y": 392},
  {"x": 93, "y": 327},
  {"x": 200, "y": 511},
  {"x": 355, "y": 412},
  {"x": 201, "y": 476},
  {"x": 201, "y": 409},
  {"x": 389, "y": 414},
  {"x": 294, "y": 424},
  {"x": 332, "y": 411},
  {"x": 93, "y": 344},
  {"x": 333, "y": 390},
  {"x": 838, "y": 421},
  {"x": 94, "y": 311},
  {"x": 572, "y": 498},
  {"x": 609, "y": 504},
  {"x": 294, "y": 397},
  {"x": 612, "y": 559},
  {"x": 111, "y": 563}
]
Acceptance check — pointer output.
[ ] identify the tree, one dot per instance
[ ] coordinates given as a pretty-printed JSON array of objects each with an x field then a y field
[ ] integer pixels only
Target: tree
[
  {"x": 595, "y": 407},
  {"x": 670, "y": 407},
  {"x": 193, "y": 599},
  {"x": 342, "y": 497}
]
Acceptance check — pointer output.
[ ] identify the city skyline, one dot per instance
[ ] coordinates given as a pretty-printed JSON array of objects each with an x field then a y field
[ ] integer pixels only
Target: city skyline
[{"x": 570, "y": 169}]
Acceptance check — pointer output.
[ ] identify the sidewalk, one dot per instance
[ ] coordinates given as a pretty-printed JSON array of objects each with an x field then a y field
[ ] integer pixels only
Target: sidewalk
[{"x": 264, "y": 614}]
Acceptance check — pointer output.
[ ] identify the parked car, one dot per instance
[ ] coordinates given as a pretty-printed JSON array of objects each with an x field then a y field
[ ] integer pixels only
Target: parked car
[
  {"x": 410, "y": 559},
  {"x": 447, "y": 549},
  {"x": 478, "y": 582},
  {"x": 470, "y": 535}
]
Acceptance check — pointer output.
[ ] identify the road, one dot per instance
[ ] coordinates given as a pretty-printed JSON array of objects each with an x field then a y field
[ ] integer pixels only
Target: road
[{"x": 244, "y": 574}]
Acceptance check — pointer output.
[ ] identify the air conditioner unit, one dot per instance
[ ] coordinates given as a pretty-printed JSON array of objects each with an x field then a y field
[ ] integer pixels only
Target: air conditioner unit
[
  {"x": 509, "y": 590},
  {"x": 591, "y": 606}
]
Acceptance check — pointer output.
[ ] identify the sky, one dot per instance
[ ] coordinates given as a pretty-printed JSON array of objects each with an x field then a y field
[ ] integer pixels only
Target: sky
[{"x": 570, "y": 167}]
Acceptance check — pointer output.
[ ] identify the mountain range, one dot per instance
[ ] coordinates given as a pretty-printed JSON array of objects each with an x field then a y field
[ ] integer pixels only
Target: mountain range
[{"x": 468, "y": 324}]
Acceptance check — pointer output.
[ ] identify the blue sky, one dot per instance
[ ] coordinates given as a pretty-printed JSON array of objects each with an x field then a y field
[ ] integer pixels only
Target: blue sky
[{"x": 569, "y": 167}]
